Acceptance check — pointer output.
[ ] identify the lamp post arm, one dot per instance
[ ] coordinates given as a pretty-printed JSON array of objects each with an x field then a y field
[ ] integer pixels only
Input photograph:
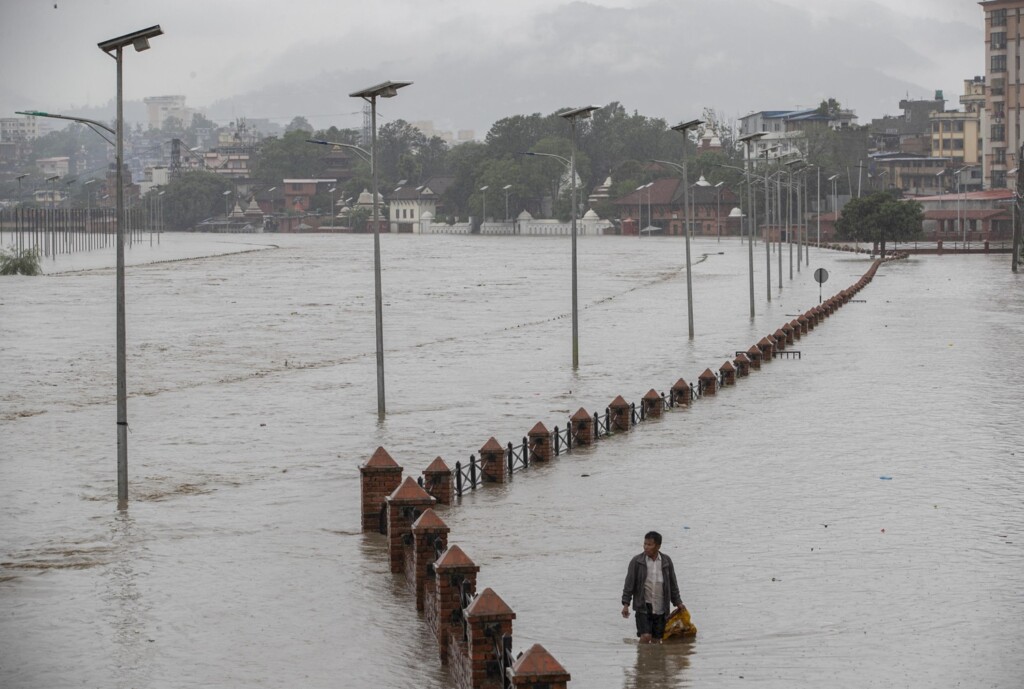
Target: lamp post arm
[
  {"x": 92, "y": 124},
  {"x": 564, "y": 161},
  {"x": 363, "y": 153}
]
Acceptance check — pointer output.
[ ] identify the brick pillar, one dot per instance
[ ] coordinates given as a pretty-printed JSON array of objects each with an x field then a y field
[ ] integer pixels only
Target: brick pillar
[
  {"x": 708, "y": 383},
  {"x": 804, "y": 325},
  {"x": 378, "y": 479},
  {"x": 728, "y": 372},
  {"x": 780, "y": 339},
  {"x": 429, "y": 536},
  {"x": 811, "y": 321},
  {"x": 492, "y": 462},
  {"x": 582, "y": 427},
  {"x": 742, "y": 364},
  {"x": 537, "y": 668},
  {"x": 766, "y": 348},
  {"x": 489, "y": 618},
  {"x": 541, "y": 449},
  {"x": 755, "y": 355},
  {"x": 796, "y": 329},
  {"x": 682, "y": 392},
  {"x": 652, "y": 403},
  {"x": 619, "y": 419},
  {"x": 405, "y": 504},
  {"x": 450, "y": 570},
  {"x": 437, "y": 480},
  {"x": 787, "y": 332}
]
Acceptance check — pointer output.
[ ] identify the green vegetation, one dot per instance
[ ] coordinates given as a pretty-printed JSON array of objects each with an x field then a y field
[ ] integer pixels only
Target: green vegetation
[
  {"x": 881, "y": 218},
  {"x": 16, "y": 261}
]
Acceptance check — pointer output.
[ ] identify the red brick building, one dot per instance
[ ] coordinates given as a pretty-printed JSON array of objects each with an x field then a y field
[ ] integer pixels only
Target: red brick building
[{"x": 660, "y": 205}]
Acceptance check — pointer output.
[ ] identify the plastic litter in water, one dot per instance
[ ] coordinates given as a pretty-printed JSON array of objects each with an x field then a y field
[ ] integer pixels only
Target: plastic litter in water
[{"x": 885, "y": 478}]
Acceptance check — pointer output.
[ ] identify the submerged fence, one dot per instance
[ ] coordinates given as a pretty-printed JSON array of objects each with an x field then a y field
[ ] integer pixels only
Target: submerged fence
[{"x": 55, "y": 231}]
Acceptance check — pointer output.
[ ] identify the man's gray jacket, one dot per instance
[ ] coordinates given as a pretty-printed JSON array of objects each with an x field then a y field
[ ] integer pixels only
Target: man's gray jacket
[{"x": 636, "y": 577}]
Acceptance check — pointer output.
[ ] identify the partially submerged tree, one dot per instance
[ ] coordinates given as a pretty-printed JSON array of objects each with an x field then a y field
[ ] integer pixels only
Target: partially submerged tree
[{"x": 881, "y": 218}]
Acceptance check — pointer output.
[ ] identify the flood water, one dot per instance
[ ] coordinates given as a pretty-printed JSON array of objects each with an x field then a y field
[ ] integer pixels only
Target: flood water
[{"x": 854, "y": 518}]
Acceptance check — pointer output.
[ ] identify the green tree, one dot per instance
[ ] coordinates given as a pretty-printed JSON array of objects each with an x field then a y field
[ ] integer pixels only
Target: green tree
[
  {"x": 299, "y": 124},
  {"x": 880, "y": 218},
  {"x": 291, "y": 156},
  {"x": 398, "y": 145},
  {"x": 193, "y": 197}
]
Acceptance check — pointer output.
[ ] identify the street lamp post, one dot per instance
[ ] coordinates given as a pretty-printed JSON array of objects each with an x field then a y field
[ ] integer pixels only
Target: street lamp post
[
  {"x": 388, "y": 89},
  {"x": 718, "y": 209},
  {"x": 572, "y": 116},
  {"x": 682, "y": 129},
  {"x": 505, "y": 189},
  {"x": 483, "y": 213},
  {"x": 752, "y": 211},
  {"x": 115, "y": 48},
  {"x": 835, "y": 206}
]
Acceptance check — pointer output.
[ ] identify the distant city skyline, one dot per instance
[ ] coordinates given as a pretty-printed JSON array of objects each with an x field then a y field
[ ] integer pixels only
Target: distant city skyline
[{"x": 474, "y": 63}]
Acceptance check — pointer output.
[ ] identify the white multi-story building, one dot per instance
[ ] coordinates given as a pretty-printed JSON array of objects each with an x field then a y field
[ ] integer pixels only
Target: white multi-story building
[
  {"x": 19, "y": 128},
  {"x": 162, "y": 107}
]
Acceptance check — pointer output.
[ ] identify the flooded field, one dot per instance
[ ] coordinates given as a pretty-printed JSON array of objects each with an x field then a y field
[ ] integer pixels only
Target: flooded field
[{"x": 849, "y": 519}]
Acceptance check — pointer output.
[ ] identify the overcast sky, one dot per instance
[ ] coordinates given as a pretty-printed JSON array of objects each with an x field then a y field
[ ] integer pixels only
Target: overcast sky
[{"x": 474, "y": 61}]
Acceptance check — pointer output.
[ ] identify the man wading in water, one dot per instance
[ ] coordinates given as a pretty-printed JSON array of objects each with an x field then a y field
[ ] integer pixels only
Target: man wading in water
[{"x": 651, "y": 585}]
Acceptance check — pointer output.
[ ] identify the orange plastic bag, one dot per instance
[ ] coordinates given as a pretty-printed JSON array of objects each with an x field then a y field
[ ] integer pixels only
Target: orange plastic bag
[{"x": 679, "y": 625}]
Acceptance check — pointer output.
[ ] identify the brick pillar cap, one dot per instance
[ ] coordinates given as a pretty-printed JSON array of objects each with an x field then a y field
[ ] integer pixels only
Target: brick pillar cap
[
  {"x": 727, "y": 366},
  {"x": 681, "y": 384},
  {"x": 489, "y": 605},
  {"x": 652, "y": 395},
  {"x": 429, "y": 521},
  {"x": 580, "y": 415},
  {"x": 539, "y": 429},
  {"x": 741, "y": 357},
  {"x": 779, "y": 333},
  {"x": 410, "y": 493},
  {"x": 381, "y": 460},
  {"x": 754, "y": 350},
  {"x": 707, "y": 375},
  {"x": 801, "y": 318},
  {"x": 453, "y": 557},
  {"x": 795, "y": 323},
  {"x": 786, "y": 326},
  {"x": 539, "y": 665},
  {"x": 618, "y": 403},
  {"x": 438, "y": 466},
  {"x": 492, "y": 445},
  {"x": 764, "y": 341}
]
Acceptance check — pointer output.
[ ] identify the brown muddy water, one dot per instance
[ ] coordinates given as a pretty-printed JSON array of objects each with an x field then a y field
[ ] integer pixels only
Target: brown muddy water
[{"x": 853, "y": 518}]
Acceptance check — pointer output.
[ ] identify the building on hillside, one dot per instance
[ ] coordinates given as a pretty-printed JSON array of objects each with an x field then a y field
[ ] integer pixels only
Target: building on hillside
[
  {"x": 909, "y": 132},
  {"x": 407, "y": 203},
  {"x": 18, "y": 129},
  {"x": 159, "y": 108},
  {"x": 785, "y": 130},
  {"x": 657, "y": 208},
  {"x": 913, "y": 175},
  {"x": 957, "y": 134},
  {"x": 1004, "y": 100},
  {"x": 60, "y": 165}
]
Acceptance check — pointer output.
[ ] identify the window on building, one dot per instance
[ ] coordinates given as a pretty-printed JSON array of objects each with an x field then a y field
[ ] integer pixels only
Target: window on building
[
  {"x": 936, "y": 127},
  {"x": 998, "y": 17},
  {"x": 999, "y": 156},
  {"x": 958, "y": 126},
  {"x": 957, "y": 144},
  {"x": 998, "y": 179},
  {"x": 998, "y": 40},
  {"x": 998, "y": 132},
  {"x": 998, "y": 63}
]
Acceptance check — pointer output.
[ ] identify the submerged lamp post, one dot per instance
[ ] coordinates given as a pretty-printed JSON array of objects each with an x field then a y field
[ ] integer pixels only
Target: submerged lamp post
[
  {"x": 483, "y": 213},
  {"x": 115, "y": 49},
  {"x": 505, "y": 189},
  {"x": 682, "y": 129},
  {"x": 747, "y": 140},
  {"x": 389, "y": 89},
  {"x": 573, "y": 115}
]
